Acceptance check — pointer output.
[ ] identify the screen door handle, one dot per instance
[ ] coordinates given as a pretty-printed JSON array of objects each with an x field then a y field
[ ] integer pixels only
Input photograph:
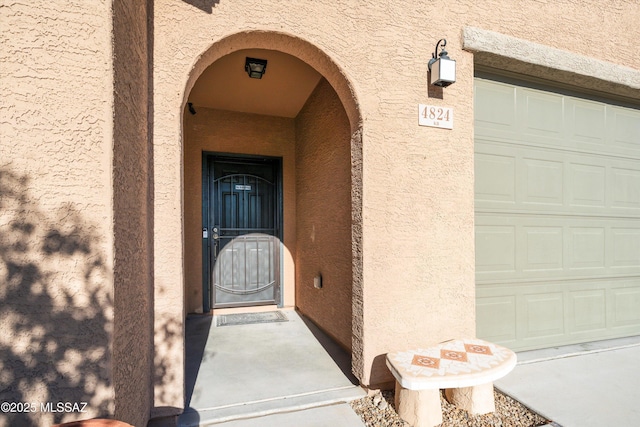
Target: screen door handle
[{"x": 216, "y": 241}]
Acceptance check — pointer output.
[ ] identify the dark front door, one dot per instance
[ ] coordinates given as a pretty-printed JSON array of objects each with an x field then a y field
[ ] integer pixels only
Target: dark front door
[{"x": 242, "y": 231}]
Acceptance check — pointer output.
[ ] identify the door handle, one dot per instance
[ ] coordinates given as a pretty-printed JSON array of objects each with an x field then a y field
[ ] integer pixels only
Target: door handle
[{"x": 216, "y": 241}]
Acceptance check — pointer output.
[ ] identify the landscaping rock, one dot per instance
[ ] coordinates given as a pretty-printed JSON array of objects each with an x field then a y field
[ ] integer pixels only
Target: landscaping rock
[{"x": 378, "y": 410}]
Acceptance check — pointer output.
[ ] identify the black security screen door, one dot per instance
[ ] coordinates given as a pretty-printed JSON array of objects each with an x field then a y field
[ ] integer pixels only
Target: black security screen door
[{"x": 241, "y": 231}]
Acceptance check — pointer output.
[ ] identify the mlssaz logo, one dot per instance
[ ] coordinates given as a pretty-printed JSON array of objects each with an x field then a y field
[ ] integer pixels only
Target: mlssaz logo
[{"x": 63, "y": 407}]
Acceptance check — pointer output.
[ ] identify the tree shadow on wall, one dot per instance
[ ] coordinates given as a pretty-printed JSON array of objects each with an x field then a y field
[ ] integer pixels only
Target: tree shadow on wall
[
  {"x": 203, "y": 5},
  {"x": 168, "y": 343},
  {"x": 55, "y": 311}
]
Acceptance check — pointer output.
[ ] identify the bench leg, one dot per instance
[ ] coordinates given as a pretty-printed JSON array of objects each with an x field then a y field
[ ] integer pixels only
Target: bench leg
[
  {"x": 419, "y": 408},
  {"x": 476, "y": 400}
]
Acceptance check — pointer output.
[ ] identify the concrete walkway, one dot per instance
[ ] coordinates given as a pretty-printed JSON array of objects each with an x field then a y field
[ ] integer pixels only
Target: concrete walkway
[
  {"x": 291, "y": 374},
  {"x": 338, "y": 415},
  {"x": 266, "y": 374},
  {"x": 585, "y": 385}
]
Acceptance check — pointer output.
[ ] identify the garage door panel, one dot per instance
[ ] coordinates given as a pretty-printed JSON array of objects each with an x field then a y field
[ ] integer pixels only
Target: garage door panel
[
  {"x": 495, "y": 247},
  {"x": 495, "y": 178},
  {"x": 587, "y": 310},
  {"x": 525, "y": 316},
  {"x": 514, "y": 178},
  {"x": 543, "y": 250},
  {"x": 626, "y": 187},
  {"x": 587, "y": 184},
  {"x": 495, "y": 109},
  {"x": 587, "y": 250},
  {"x": 499, "y": 318},
  {"x": 626, "y": 306},
  {"x": 542, "y": 115},
  {"x": 626, "y": 249},
  {"x": 538, "y": 117},
  {"x": 557, "y": 216},
  {"x": 588, "y": 123},
  {"x": 543, "y": 315},
  {"x": 534, "y": 247},
  {"x": 544, "y": 181},
  {"x": 625, "y": 124}
]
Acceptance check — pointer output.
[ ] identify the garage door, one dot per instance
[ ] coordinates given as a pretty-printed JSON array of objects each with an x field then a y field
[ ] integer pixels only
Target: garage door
[{"x": 557, "y": 191}]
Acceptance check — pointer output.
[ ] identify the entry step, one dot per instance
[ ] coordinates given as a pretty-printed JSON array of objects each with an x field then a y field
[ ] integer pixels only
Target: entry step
[{"x": 280, "y": 410}]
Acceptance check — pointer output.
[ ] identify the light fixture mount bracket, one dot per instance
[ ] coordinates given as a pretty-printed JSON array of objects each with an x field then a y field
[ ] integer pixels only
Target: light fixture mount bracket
[
  {"x": 443, "y": 53},
  {"x": 442, "y": 68}
]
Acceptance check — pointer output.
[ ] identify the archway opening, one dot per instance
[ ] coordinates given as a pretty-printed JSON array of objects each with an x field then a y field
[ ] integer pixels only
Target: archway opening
[
  {"x": 308, "y": 187},
  {"x": 294, "y": 117}
]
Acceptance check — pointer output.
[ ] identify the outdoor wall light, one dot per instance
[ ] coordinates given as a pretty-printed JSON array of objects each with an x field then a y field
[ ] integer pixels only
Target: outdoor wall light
[
  {"x": 443, "y": 68},
  {"x": 255, "y": 68}
]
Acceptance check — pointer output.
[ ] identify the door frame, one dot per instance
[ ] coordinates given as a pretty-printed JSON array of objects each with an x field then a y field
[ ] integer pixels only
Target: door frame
[{"x": 210, "y": 156}]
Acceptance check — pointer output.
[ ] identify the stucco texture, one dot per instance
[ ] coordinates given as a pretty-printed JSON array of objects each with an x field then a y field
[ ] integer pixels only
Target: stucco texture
[
  {"x": 56, "y": 230},
  {"x": 98, "y": 202},
  {"x": 132, "y": 216},
  {"x": 323, "y": 193},
  {"x": 416, "y": 272},
  {"x": 75, "y": 282}
]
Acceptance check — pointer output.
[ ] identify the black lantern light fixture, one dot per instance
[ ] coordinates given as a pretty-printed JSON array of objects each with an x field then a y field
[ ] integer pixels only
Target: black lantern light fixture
[
  {"x": 255, "y": 67},
  {"x": 443, "y": 68}
]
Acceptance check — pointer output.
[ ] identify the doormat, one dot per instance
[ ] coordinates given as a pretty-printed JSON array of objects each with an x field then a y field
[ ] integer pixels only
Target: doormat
[{"x": 250, "y": 318}]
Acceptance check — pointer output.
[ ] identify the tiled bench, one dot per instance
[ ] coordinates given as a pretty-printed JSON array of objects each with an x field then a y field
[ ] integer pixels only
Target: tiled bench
[{"x": 466, "y": 370}]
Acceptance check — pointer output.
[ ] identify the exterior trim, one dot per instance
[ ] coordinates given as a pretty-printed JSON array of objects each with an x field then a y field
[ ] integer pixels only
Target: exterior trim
[{"x": 522, "y": 56}]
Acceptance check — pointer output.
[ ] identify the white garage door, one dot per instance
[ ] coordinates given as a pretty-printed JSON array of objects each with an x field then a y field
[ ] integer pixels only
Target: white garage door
[{"x": 557, "y": 190}]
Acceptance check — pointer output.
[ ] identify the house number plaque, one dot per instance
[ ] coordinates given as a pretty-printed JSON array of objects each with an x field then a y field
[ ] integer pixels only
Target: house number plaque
[{"x": 435, "y": 116}]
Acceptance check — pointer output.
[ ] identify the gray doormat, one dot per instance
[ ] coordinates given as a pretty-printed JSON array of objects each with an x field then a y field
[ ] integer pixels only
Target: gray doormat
[{"x": 250, "y": 318}]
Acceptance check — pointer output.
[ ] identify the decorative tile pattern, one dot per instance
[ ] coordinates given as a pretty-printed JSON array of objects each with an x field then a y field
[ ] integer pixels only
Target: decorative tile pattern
[
  {"x": 478, "y": 349},
  {"x": 457, "y": 356},
  {"x": 427, "y": 362},
  {"x": 455, "y": 363}
]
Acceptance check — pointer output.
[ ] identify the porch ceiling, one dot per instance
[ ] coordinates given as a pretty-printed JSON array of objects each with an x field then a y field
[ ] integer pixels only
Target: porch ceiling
[{"x": 282, "y": 91}]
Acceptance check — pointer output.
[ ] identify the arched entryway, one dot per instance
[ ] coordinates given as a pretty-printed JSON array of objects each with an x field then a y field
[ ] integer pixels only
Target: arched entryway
[
  {"x": 178, "y": 204},
  {"x": 302, "y": 119},
  {"x": 293, "y": 123}
]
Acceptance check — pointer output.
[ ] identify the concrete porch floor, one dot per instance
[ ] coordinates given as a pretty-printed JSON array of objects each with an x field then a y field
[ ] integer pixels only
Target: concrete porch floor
[{"x": 290, "y": 369}]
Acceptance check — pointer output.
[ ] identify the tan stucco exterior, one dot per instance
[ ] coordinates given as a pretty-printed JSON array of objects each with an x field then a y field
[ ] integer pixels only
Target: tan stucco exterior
[
  {"x": 100, "y": 167},
  {"x": 74, "y": 210},
  {"x": 417, "y": 183},
  {"x": 323, "y": 194}
]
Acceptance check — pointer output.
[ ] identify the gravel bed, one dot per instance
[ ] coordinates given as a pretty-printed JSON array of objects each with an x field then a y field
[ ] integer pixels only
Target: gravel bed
[{"x": 377, "y": 410}]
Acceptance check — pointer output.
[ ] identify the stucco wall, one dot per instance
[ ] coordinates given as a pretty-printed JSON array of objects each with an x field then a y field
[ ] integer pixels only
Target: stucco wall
[
  {"x": 323, "y": 188},
  {"x": 62, "y": 204},
  {"x": 132, "y": 213},
  {"x": 56, "y": 222},
  {"x": 417, "y": 189},
  {"x": 229, "y": 132}
]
